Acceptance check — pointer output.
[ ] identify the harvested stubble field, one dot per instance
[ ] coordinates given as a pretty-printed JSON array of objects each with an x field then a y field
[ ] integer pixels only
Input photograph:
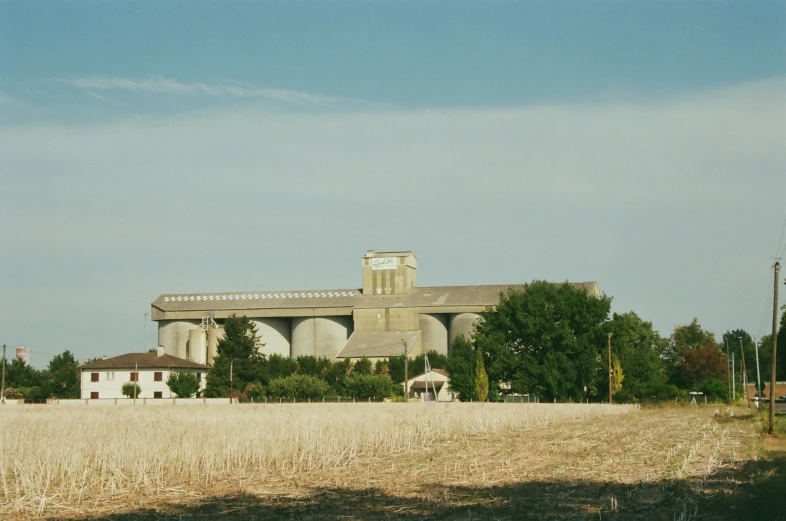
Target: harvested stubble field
[{"x": 379, "y": 461}]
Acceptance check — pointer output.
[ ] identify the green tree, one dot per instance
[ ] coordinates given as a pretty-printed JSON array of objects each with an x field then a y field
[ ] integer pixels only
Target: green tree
[
  {"x": 281, "y": 366},
  {"x": 546, "y": 340},
  {"x": 298, "y": 386},
  {"x": 364, "y": 386},
  {"x": 238, "y": 353},
  {"x": 460, "y": 367},
  {"x": 638, "y": 346},
  {"x": 362, "y": 366},
  {"x": 481, "y": 378},
  {"x": 695, "y": 357},
  {"x": 128, "y": 389},
  {"x": 313, "y": 366},
  {"x": 63, "y": 375},
  {"x": 183, "y": 383},
  {"x": 335, "y": 375},
  {"x": 33, "y": 384}
]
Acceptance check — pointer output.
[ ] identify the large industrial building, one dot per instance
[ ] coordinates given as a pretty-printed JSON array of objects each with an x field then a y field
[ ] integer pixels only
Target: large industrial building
[{"x": 388, "y": 315}]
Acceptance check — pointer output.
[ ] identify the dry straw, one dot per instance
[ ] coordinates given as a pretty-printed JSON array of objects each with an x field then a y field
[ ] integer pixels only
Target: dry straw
[{"x": 53, "y": 458}]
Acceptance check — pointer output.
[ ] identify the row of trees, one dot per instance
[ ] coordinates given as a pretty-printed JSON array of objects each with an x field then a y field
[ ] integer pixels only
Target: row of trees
[{"x": 549, "y": 341}]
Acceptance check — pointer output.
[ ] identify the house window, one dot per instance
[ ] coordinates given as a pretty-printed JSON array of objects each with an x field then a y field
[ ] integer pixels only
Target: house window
[
  {"x": 158, "y": 394},
  {"x": 158, "y": 376},
  {"x": 94, "y": 394},
  {"x": 199, "y": 377},
  {"x": 134, "y": 376},
  {"x": 110, "y": 377},
  {"x": 93, "y": 377}
]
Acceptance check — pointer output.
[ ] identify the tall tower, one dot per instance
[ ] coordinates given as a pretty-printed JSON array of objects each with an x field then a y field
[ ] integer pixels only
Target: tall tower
[{"x": 388, "y": 272}]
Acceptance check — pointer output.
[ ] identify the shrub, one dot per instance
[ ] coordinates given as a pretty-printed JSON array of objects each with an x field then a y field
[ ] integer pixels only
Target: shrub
[
  {"x": 128, "y": 389},
  {"x": 298, "y": 386},
  {"x": 13, "y": 394},
  {"x": 183, "y": 384},
  {"x": 365, "y": 386},
  {"x": 362, "y": 366}
]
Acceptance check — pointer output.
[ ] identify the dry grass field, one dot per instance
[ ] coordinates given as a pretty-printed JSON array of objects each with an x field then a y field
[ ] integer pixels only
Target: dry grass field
[{"x": 379, "y": 461}]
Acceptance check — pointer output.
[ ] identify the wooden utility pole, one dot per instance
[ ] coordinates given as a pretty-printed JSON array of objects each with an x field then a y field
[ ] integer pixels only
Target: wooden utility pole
[
  {"x": 136, "y": 381},
  {"x": 777, "y": 266},
  {"x": 231, "y": 390},
  {"x": 728, "y": 365},
  {"x": 611, "y": 374},
  {"x": 406, "y": 372},
  {"x": 744, "y": 374},
  {"x": 758, "y": 369},
  {"x": 2, "y": 388}
]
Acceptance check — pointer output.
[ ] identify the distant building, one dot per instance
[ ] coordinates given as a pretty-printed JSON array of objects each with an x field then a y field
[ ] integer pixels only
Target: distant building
[
  {"x": 422, "y": 387},
  {"x": 105, "y": 378},
  {"x": 23, "y": 353},
  {"x": 386, "y": 316}
]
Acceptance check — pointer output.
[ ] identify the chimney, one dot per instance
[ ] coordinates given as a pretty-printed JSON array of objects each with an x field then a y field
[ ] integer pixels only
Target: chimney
[{"x": 160, "y": 351}]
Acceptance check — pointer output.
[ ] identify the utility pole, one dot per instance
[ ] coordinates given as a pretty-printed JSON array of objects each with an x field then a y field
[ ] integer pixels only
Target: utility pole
[
  {"x": 733, "y": 381},
  {"x": 729, "y": 377},
  {"x": 2, "y": 388},
  {"x": 744, "y": 374},
  {"x": 758, "y": 371},
  {"x": 610, "y": 371},
  {"x": 136, "y": 380},
  {"x": 406, "y": 372},
  {"x": 777, "y": 267},
  {"x": 231, "y": 390}
]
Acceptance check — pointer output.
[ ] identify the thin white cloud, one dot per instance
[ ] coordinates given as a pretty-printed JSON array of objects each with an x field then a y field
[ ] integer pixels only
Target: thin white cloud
[
  {"x": 672, "y": 205},
  {"x": 161, "y": 85}
]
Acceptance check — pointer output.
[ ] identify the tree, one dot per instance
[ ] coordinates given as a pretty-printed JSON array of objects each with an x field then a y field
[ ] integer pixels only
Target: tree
[
  {"x": 364, "y": 386},
  {"x": 481, "y": 378},
  {"x": 637, "y": 347},
  {"x": 617, "y": 376},
  {"x": 239, "y": 353},
  {"x": 184, "y": 384},
  {"x": 362, "y": 366},
  {"x": 460, "y": 366},
  {"x": 131, "y": 390},
  {"x": 281, "y": 366},
  {"x": 313, "y": 366},
  {"x": 31, "y": 383},
  {"x": 546, "y": 340},
  {"x": 298, "y": 386},
  {"x": 63, "y": 376},
  {"x": 695, "y": 357}
]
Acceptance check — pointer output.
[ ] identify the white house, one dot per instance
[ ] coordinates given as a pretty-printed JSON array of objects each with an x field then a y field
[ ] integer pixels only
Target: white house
[
  {"x": 105, "y": 378},
  {"x": 423, "y": 385}
]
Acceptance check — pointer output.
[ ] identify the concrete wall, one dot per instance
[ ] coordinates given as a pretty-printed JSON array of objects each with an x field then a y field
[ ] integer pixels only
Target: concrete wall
[
  {"x": 319, "y": 336},
  {"x": 434, "y": 332},
  {"x": 386, "y": 319},
  {"x": 173, "y": 335},
  {"x": 110, "y": 383},
  {"x": 397, "y": 281},
  {"x": 142, "y": 401},
  {"x": 276, "y": 333},
  {"x": 463, "y": 323}
]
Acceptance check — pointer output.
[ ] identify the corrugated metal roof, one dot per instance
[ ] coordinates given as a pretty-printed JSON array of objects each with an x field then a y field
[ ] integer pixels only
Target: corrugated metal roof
[
  {"x": 143, "y": 361},
  {"x": 434, "y": 296}
]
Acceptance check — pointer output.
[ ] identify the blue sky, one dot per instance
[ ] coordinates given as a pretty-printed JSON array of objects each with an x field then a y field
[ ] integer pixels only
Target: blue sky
[{"x": 150, "y": 147}]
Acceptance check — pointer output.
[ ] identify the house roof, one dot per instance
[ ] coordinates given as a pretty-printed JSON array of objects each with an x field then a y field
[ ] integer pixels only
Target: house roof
[
  {"x": 143, "y": 361},
  {"x": 418, "y": 297},
  {"x": 438, "y": 371}
]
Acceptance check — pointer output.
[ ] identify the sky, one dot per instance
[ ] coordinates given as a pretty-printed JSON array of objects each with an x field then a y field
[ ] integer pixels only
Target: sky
[{"x": 189, "y": 147}]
